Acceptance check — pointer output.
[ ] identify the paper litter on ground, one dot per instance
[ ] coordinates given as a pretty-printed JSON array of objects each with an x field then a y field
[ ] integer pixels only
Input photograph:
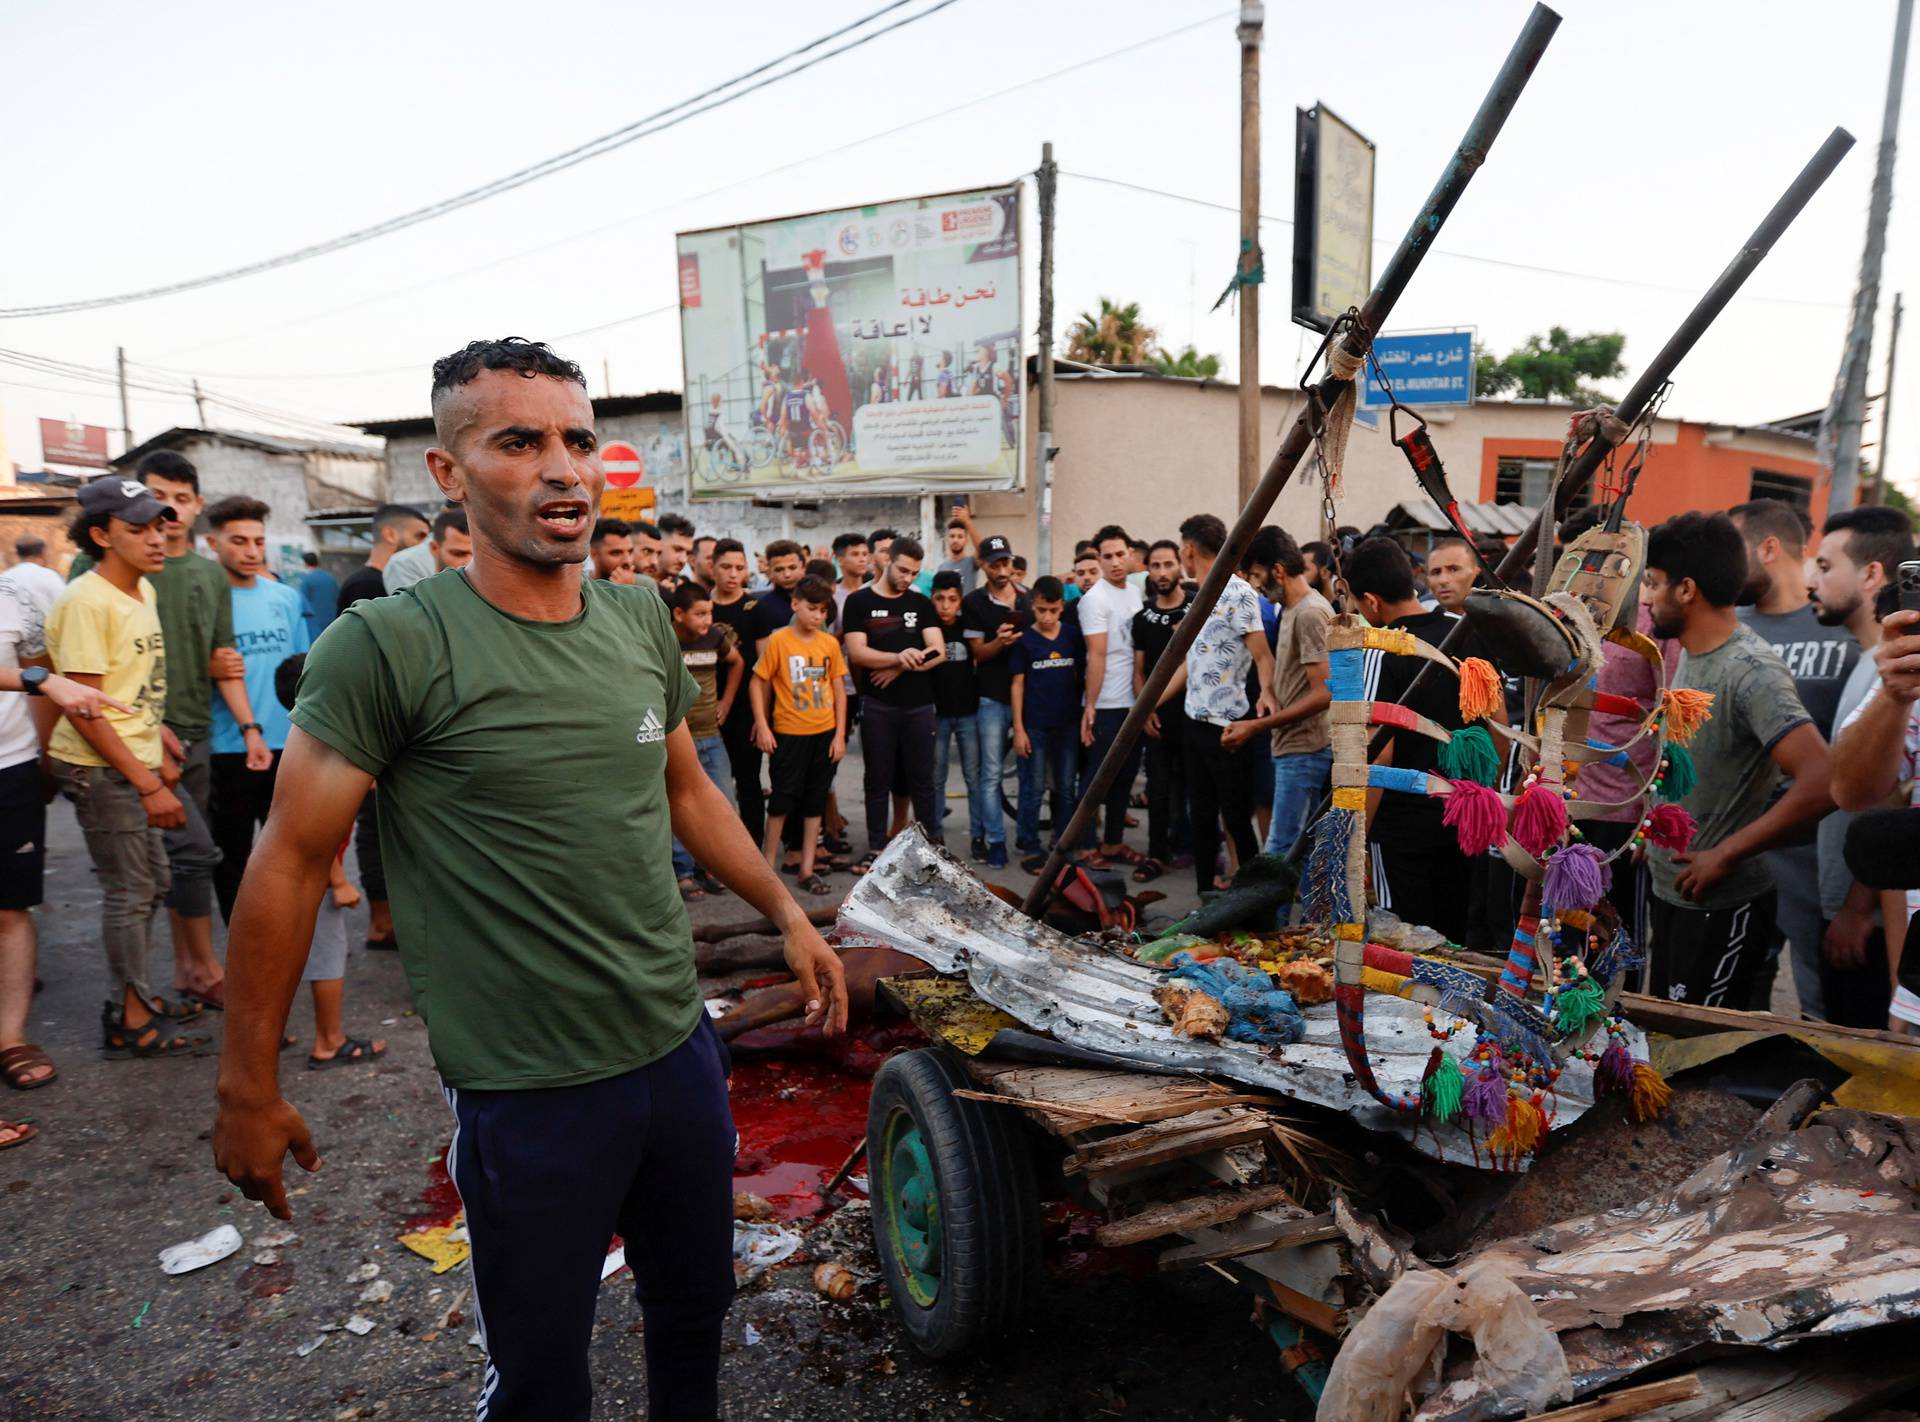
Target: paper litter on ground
[{"x": 192, "y": 1254}]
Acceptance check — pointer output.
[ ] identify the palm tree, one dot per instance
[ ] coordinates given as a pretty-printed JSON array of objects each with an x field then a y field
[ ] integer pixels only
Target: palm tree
[
  {"x": 1114, "y": 337},
  {"x": 1189, "y": 364}
]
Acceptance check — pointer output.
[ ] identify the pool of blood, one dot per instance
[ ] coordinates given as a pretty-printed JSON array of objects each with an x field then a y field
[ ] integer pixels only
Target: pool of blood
[{"x": 798, "y": 1120}]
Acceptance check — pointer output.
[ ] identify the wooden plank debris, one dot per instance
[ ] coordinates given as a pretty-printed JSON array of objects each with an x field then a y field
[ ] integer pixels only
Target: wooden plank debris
[
  {"x": 1255, "y": 1233},
  {"x": 1164, "y": 1141},
  {"x": 1628, "y": 1402},
  {"x": 1194, "y": 1212}
]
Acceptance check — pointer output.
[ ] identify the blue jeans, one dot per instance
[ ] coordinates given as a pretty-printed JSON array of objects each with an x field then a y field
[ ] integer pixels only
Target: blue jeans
[
  {"x": 712, "y": 751},
  {"x": 996, "y": 732},
  {"x": 964, "y": 730},
  {"x": 1298, "y": 782},
  {"x": 1056, "y": 748}
]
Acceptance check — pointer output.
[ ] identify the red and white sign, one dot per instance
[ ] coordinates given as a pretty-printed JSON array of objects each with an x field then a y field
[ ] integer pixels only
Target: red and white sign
[
  {"x": 625, "y": 468},
  {"x": 689, "y": 279},
  {"x": 65, "y": 442}
]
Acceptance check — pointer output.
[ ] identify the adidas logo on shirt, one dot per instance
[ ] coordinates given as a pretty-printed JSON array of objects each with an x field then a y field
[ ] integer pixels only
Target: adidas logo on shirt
[{"x": 650, "y": 729}]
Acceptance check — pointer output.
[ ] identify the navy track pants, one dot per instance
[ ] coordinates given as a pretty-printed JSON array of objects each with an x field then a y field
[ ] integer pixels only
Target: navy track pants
[{"x": 548, "y": 1176}]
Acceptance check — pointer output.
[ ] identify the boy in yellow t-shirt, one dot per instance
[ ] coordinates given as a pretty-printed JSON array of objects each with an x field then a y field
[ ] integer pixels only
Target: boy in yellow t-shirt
[
  {"x": 800, "y": 669},
  {"x": 104, "y": 632}
]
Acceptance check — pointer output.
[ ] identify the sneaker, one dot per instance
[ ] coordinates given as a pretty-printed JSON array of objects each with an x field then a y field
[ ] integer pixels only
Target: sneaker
[
  {"x": 996, "y": 856},
  {"x": 979, "y": 851}
]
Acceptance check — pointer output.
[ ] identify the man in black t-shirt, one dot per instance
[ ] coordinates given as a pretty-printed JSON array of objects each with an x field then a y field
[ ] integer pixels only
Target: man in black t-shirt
[
  {"x": 892, "y": 639},
  {"x": 1167, "y": 601},
  {"x": 1419, "y": 872},
  {"x": 993, "y": 617},
  {"x": 733, "y": 608}
]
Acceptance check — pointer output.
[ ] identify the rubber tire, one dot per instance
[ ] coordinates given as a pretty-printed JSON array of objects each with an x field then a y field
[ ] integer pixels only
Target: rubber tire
[{"x": 989, "y": 1206}]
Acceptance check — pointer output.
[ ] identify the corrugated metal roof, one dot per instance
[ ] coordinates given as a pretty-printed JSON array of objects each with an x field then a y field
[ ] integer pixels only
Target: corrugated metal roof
[
  {"x": 917, "y": 899},
  {"x": 246, "y": 439},
  {"x": 1500, "y": 520}
]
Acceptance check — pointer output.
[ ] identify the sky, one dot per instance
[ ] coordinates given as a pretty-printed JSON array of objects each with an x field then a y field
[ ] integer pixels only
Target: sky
[{"x": 149, "y": 144}]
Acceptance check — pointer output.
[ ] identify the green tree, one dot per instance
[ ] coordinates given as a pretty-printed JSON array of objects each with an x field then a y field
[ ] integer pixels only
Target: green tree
[
  {"x": 1189, "y": 363},
  {"x": 1114, "y": 336},
  {"x": 1556, "y": 366}
]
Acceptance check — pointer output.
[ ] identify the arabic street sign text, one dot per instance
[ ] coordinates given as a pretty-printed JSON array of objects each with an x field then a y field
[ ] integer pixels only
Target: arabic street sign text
[{"x": 1433, "y": 368}]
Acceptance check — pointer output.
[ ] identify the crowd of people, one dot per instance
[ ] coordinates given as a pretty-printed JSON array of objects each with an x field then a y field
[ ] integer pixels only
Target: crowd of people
[{"x": 168, "y": 689}]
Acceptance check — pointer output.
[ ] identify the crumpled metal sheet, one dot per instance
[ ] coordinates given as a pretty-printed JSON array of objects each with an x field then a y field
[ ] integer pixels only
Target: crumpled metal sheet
[
  {"x": 917, "y": 899},
  {"x": 1796, "y": 1234}
]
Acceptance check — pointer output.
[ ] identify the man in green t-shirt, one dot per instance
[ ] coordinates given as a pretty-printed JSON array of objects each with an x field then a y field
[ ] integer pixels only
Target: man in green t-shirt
[
  {"x": 537, "y": 914},
  {"x": 196, "y": 624}
]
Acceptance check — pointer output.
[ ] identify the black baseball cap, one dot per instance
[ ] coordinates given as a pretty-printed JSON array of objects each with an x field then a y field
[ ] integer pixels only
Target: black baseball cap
[
  {"x": 128, "y": 500},
  {"x": 994, "y": 548}
]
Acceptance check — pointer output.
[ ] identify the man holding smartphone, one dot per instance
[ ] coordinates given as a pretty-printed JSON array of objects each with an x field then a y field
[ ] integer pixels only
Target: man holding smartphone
[{"x": 993, "y": 617}]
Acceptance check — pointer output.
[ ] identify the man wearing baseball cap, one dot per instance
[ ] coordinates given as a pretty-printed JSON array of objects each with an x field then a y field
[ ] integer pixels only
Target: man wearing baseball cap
[
  {"x": 993, "y": 616},
  {"x": 104, "y": 633}
]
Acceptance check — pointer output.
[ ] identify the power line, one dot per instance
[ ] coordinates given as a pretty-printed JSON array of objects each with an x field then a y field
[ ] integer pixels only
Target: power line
[
  {"x": 657, "y": 122},
  {"x": 596, "y": 231},
  {"x": 1456, "y": 256}
]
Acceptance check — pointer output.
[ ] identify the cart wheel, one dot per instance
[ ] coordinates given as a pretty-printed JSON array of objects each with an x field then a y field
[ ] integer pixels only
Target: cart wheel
[{"x": 956, "y": 1210}]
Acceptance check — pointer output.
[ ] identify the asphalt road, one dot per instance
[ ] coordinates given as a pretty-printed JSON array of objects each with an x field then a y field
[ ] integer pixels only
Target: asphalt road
[{"x": 90, "y": 1328}]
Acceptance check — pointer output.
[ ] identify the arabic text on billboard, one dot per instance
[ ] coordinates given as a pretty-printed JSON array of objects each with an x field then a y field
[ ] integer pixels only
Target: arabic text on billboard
[
  {"x": 66, "y": 442},
  {"x": 872, "y": 350},
  {"x": 1431, "y": 368}
]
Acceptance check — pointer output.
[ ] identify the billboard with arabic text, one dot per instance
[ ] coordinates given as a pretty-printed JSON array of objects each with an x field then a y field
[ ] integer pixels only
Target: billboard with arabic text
[{"x": 869, "y": 350}]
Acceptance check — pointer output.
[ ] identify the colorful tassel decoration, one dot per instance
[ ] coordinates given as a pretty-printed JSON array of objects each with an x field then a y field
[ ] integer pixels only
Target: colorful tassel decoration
[
  {"x": 1686, "y": 711},
  {"x": 1474, "y": 813},
  {"x": 1578, "y": 1005},
  {"x": 1441, "y": 1092},
  {"x": 1482, "y": 694},
  {"x": 1323, "y": 883},
  {"x": 1671, "y": 827},
  {"x": 1521, "y": 1133},
  {"x": 1614, "y": 1075},
  {"x": 1678, "y": 775},
  {"x": 1485, "y": 1100},
  {"x": 1577, "y": 875},
  {"x": 1539, "y": 819},
  {"x": 1470, "y": 755},
  {"x": 1648, "y": 1095}
]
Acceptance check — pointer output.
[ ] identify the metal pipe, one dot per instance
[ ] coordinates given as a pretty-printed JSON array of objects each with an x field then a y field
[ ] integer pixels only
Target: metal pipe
[{"x": 1466, "y": 161}]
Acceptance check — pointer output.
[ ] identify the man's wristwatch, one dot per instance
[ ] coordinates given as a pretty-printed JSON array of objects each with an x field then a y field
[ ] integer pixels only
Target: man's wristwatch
[
  {"x": 32, "y": 679},
  {"x": 246, "y": 726}
]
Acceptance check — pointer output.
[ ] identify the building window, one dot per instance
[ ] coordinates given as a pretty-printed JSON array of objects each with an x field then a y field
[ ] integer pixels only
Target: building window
[
  {"x": 1525, "y": 481},
  {"x": 1795, "y": 489}
]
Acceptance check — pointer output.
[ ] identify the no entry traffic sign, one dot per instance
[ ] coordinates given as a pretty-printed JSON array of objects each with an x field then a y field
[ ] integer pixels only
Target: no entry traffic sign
[{"x": 625, "y": 468}]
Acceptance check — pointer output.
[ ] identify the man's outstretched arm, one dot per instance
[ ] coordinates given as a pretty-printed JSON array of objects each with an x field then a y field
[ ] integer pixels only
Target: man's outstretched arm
[{"x": 314, "y": 801}]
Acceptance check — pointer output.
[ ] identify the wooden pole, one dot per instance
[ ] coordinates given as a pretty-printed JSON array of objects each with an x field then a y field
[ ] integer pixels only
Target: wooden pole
[
  {"x": 1252, "y": 24},
  {"x": 1043, "y": 456},
  {"x": 1886, "y": 402},
  {"x": 126, "y": 417}
]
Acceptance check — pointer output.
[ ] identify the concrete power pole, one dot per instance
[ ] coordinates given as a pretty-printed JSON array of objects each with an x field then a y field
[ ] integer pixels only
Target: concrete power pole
[
  {"x": 1886, "y": 403},
  {"x": 1847, "y": 412},
  {"x": 126, "y": 418},
  {"x": 199, "y": 405},
  {"x": 1043, "y": 456},
  {"x": 1252, "y": 23}
]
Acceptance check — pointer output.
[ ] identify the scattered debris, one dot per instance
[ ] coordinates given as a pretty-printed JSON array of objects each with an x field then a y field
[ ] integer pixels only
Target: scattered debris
[
  {"x": 378, "y": 1292},
  {"x": 275, "y": 1239},
  {"x": 363, "y": 1273},
  {"x": 758, "y": 1247},
  {"x": 836, "y": 1281},
  {"x": 210, "y": 1248},
  {"x": 360, "y": 1326},
  {"x": 267, "y": 1258},
  {"x": 752, "y": 1336},
  {"x": 751, "y": 1207},
  {"x": 615, "y": 1261},
  {"x": 141, "y": 1317},
  {"x": 311, "y": 1346},
  {"x": 444, "y": 1246}
]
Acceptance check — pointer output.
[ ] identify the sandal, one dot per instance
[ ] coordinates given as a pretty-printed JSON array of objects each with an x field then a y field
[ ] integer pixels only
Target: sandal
[
  {"x": 16, "y": 1062},
  {"x": 712, "y": 885},
  {"x": 384, "y": 945},
  {"x": 865, "y": 863},
  {"x": 836, "y": 843},
  {"x": 159, "y": 1037},
  {"x": 184, "y": 1010},
  {"x": 814, "y": 884},
  {"x": 22, "y": 1133},
  {"x": 1147, "y": 870},
  {"x": 214, "y": 997},
  {"x": 352, "y": 1052},
  {"x": 691, "y": 890}
]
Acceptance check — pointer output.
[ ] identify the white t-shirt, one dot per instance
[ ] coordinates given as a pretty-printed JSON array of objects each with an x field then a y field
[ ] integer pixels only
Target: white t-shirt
[
  {"x": 42, "y": 586},
  {"x": 410, "y": 565},
  {"x": 1107, "y": 609},
  {"x": 21, "y": 636}
]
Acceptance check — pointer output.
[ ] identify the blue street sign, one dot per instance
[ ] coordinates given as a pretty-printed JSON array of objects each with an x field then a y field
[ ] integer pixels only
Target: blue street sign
[{"x": 1425, "y": 370}]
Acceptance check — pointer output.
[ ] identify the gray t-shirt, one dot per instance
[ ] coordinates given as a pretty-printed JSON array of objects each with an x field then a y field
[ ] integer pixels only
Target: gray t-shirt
[
  {"x": 1835, "y": 879},
  {"x": 1754, "y": 705},
  {"x": 967, "y": 567},
  {"x": 1818, "y": 658}
]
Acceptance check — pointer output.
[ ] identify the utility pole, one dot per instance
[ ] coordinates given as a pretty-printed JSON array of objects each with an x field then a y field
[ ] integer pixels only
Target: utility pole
[
  {"x": 1043, "y": 456},
  {"x": 606, "y": 376},
  {"x": 1252, "y": 24},
  {"x": 200, "y": 405},
  {"x": 1847, "y": 412},
  {"x": 126, "y": 418},
  {"x": 1886, "y": 403}
]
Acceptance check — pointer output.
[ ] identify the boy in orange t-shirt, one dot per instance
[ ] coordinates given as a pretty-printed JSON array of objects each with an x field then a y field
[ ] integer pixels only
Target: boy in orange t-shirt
[{"x": 799, "y": 670}]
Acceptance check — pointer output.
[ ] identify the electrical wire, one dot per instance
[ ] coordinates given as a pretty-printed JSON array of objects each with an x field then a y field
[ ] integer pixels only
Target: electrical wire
[
  {"x": 109, "y": 381},
  {"x": 1456, "y": 256},
  {"x": 657, "y": 122}
]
